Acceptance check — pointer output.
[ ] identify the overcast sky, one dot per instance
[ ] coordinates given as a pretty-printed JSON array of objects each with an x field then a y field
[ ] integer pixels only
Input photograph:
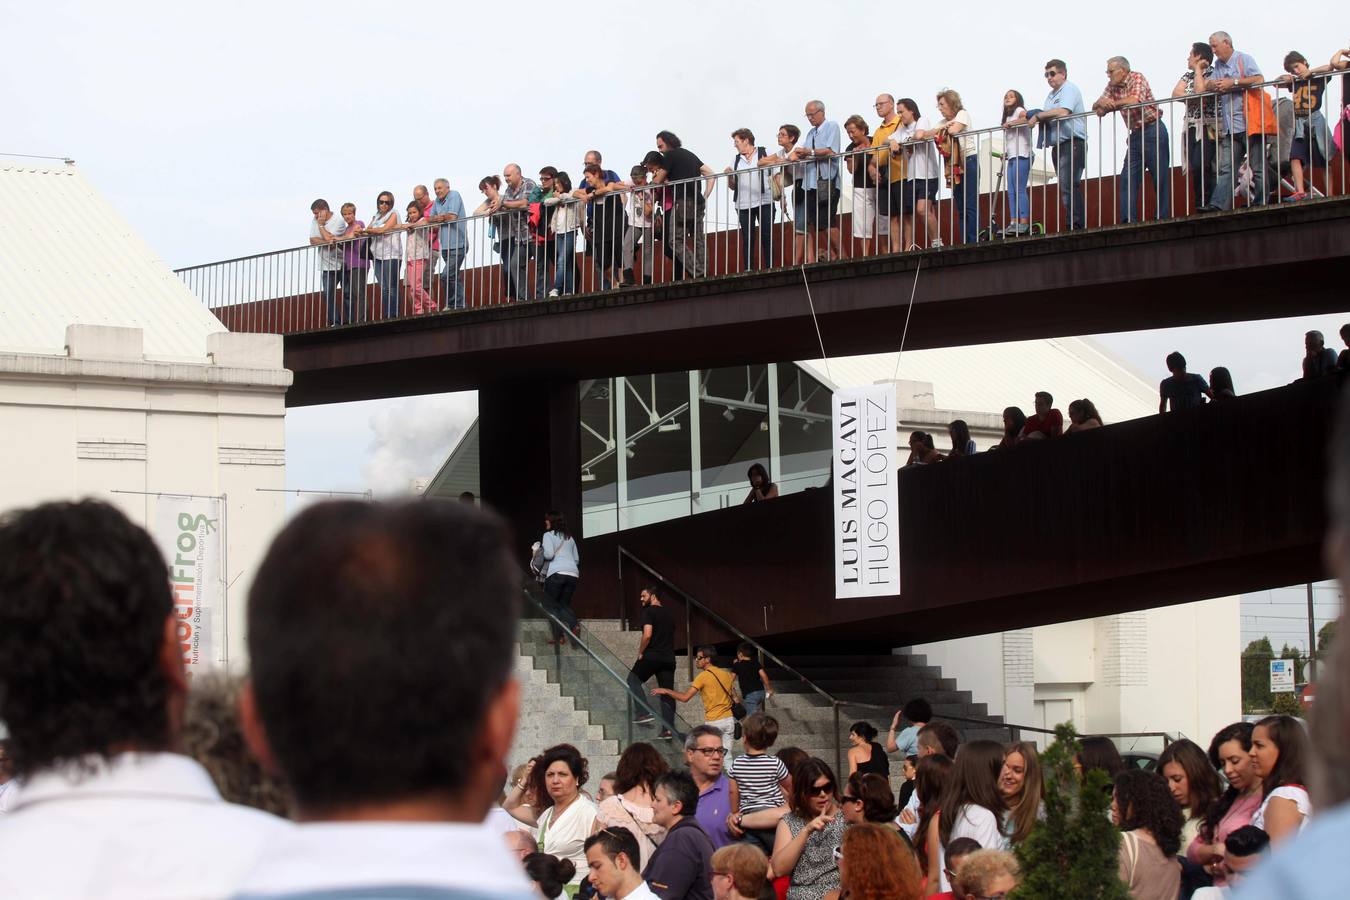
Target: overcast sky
[{"x": 211, "y": 127}]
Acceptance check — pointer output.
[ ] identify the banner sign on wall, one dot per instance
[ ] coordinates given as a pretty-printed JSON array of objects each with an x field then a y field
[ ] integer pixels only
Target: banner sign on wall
[
  {"x": 866, "y": 521},
  {"x": 188, "y": 532}
]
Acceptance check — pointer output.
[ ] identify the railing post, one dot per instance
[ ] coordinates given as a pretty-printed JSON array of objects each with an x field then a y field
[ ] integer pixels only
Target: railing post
[
  {"x": 688, "y": 638},
  {"x": 838, "y": 748}
]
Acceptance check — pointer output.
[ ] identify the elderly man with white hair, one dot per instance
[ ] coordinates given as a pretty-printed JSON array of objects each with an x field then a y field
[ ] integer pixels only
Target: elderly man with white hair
[{"x": 1235, "y": 72}]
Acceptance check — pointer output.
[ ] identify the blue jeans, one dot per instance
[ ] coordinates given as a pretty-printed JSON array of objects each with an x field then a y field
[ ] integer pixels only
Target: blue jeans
[
  {"x": 452, "y": 284},
  {"x": 756, "y": 227},
  {"x": 1233, "y": 149},
  {"x": 386, "y": 273},
  {"x": 966, "y": 199},
  {"x": 354, "y": 280},
  {"x": 565, "y": 267},
  {"x": 329, "y": 280},
  {"x": 515, "y": 258},
  {"x": 754, "y": 702},
  {"x": 1070, "y": 161},
  {"x": 1148, "y": 148},
  {"x": 1019, "y": 201}
]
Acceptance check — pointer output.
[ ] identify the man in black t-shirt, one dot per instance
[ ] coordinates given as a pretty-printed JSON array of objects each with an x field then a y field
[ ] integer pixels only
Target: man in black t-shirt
[
  {"x": 656, "y": 656},
  {"x": 683, "y": 204},
  {"x": 1182, "y": 390}
]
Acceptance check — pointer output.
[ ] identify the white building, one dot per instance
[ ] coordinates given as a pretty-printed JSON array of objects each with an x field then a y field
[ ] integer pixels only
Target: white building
[{"x": 116, "y": 383}]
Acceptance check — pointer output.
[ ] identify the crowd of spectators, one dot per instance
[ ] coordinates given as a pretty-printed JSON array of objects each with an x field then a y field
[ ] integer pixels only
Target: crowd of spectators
[
  {"x": 894, "y": 172},
  {"x": 1179, "y": 390},
  {"x": 363, "y": 754}
]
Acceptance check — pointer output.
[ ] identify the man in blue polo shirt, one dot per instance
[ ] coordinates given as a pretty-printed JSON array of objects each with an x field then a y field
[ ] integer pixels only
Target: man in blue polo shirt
[
  {"x": 1068, "y": 140},
  {"x": 1235, "y": 71},
  {"x": 820, "y": 181},
  {"x": 448, "y": 211}
]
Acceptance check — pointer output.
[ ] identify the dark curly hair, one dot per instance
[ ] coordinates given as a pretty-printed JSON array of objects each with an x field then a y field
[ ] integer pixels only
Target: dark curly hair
[
  {"x": 84, "y": 600},
  {"x": 549, "y": 872},
  {"x": 1145, "y": 802},
  {"x": 640, "y": 764},
  {"x": 564, "y": 753},
  {"x": 213, "y": 737},
  {"x": 379, "y": 634},
  {"x": 875, "y": 792}
]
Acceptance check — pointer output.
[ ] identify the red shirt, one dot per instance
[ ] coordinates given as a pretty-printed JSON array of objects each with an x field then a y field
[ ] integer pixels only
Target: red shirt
[
  {"x": 1134, "y": 85},
  {"x": 1052, "y": 425}
]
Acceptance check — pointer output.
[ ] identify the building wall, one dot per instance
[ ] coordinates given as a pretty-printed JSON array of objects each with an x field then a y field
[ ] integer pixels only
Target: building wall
[
  {"x": 1172, "y": 669},
  {"x": 106, "y": 423}
]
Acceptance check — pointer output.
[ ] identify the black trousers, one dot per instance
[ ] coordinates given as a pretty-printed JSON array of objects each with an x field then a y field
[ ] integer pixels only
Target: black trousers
[{"x": 664, "y": 670}]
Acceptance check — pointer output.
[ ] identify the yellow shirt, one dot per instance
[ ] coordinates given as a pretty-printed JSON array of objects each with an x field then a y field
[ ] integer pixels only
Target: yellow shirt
[
  {"x": 881, "y": 138},
  {"x": 714, "y": 688}
]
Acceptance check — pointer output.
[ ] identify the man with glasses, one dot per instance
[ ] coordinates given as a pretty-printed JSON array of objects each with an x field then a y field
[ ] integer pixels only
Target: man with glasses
[
  {"x": 543, "y": 241},
  {"x": 1239, "y": 140},
  {"x": 1147, "y": 147},
  {"x": 888, "y": 170},
  {"x": 714, "y": 686},
  {"x": 681, "y": 867},
  {"x": 820, "y": 182},
  {"x": 1067, "y": 140},
  {"x": 956, "y": 852},
  {"x": 704, "y": 753}
]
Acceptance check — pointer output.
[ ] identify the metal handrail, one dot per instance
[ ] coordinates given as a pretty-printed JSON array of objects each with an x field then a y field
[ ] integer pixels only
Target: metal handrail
[
  {"x": 642, "y": 701},
  {"x": 835, "y": 702},
  {"x": 967, "y": 134}
]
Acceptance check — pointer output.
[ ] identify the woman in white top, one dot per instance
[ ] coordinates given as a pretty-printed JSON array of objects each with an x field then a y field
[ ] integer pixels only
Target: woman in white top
[
  {"x": 1279, "y": 759},
  {"x": 753, "y": 189},
  {"x": 560, "y": 581},
  {"x": 966, "y": 189},
  {"x": 564, "y": 817},
  {"x": 1017, "y": 158},
  {"x": 922, "y": 168},
  {"x": 564, "y": 225},
  {"x": 386, "y": 250},
  {"x": 971, "y": 805}
]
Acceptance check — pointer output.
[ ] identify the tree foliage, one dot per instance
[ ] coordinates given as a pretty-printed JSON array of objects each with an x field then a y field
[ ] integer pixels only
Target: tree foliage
[
  {"x": 1256, "y": 675},
  {"x": 1286, "y": 705},
  {"x": 1074, "y": 853},
  {"x": 1325, "y": 635}
]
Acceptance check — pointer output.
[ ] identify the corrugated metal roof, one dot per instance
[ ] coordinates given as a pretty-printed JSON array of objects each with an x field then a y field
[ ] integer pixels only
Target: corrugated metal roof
[
  {"x": 989, "y": 377},
  {"x": 67, "y": 257}
]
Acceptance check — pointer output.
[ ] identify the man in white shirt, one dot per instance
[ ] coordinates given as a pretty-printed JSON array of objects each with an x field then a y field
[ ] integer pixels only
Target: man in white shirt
[
  {"x": 381, "y": 690},
  {"x": 612, "y": 855},
  {"x": 92, "y": 689}
]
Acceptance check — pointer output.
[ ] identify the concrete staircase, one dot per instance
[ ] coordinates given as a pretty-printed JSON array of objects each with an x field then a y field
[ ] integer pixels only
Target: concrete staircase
[{"x": 571, "y": 681}]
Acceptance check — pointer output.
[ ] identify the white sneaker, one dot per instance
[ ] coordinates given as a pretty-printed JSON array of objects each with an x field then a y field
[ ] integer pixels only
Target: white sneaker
[
  {"x": 937, "y": 243},
  {"x": 553, "y": 293}
]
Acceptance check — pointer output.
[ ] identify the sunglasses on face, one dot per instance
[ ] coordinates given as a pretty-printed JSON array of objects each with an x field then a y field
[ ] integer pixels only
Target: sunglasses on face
[
  {"x": 819, "y": 790},
  {"x": 849, "y": 798}
]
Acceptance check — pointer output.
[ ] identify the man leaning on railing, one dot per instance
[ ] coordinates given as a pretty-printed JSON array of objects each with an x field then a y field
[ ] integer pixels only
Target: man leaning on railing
[{"x": 1148, "y": 146}]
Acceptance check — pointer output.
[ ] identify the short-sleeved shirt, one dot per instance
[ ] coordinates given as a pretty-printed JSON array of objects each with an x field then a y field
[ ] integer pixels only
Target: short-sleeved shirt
[
  {"x": 820, "y": 169},
  {"x": 747, "y": 676},
  {"x": 1050, "y": 425},
  {"x": 758, "y": 781},
  {"x": 714, "y": 805},
  {"x": 907, "y": 741},
  {"x": 681, "y": 164},
  {"x": 450, "y": 235},
  {"x": 966, "y": 143},
  {"x": 1308, "y": 94},
  {"x": 1066, "y": 97},
  {"x": 662, "y": 643},
  {"x": 881, "y": 139},
  {"x": 923, "y": 162},
  {"x": 330, "y": 255},
  {"x": 1204, "y": 110},
  {"x": 1324, "y": 363},
  {"x": 752, "y": 182},
  {"x": 714, "y": 687},
  {"x": 1135, "y": 84},
  {"x": 1183, "y": 392},
  {"x": 1232, "y": 104},
  {"x": 517, "y": 221},
  {"x": 1017, "y": 140}
]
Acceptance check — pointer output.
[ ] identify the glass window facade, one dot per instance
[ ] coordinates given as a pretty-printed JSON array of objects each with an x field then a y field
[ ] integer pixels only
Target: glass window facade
[{"x": 658, "y": 447}]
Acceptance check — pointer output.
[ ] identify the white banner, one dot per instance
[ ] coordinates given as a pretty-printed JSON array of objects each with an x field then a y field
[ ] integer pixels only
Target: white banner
[
  {"x": 866, "y": 520},
  {"x": 188, "y": 532}
]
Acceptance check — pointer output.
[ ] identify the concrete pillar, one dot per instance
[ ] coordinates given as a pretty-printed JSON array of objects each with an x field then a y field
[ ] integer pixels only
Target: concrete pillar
[{"x": 529, "y": 453}]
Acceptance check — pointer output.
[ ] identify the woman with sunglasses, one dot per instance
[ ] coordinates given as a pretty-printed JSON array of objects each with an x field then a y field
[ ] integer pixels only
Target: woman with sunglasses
[
  {"x": 803, "y": 848},
  {"x": 386, "y": 251},
  {"x": 867, "y": 798}
]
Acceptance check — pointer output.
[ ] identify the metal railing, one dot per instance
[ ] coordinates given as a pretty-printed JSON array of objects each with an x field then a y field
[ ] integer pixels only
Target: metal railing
[
  {"x": 837, "y": 705},
  {"x": 919, "y": 193},
  {"x": 575, "y": 671}
]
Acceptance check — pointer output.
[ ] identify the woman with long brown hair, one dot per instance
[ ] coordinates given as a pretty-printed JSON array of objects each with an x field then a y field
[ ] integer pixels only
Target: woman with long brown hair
[
  {"x": 971, "y": 803},
  {"x": 1021, "y": 784},
  {"x": 1193, "y": 782},
  {"x": 930, "y": 780}
]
